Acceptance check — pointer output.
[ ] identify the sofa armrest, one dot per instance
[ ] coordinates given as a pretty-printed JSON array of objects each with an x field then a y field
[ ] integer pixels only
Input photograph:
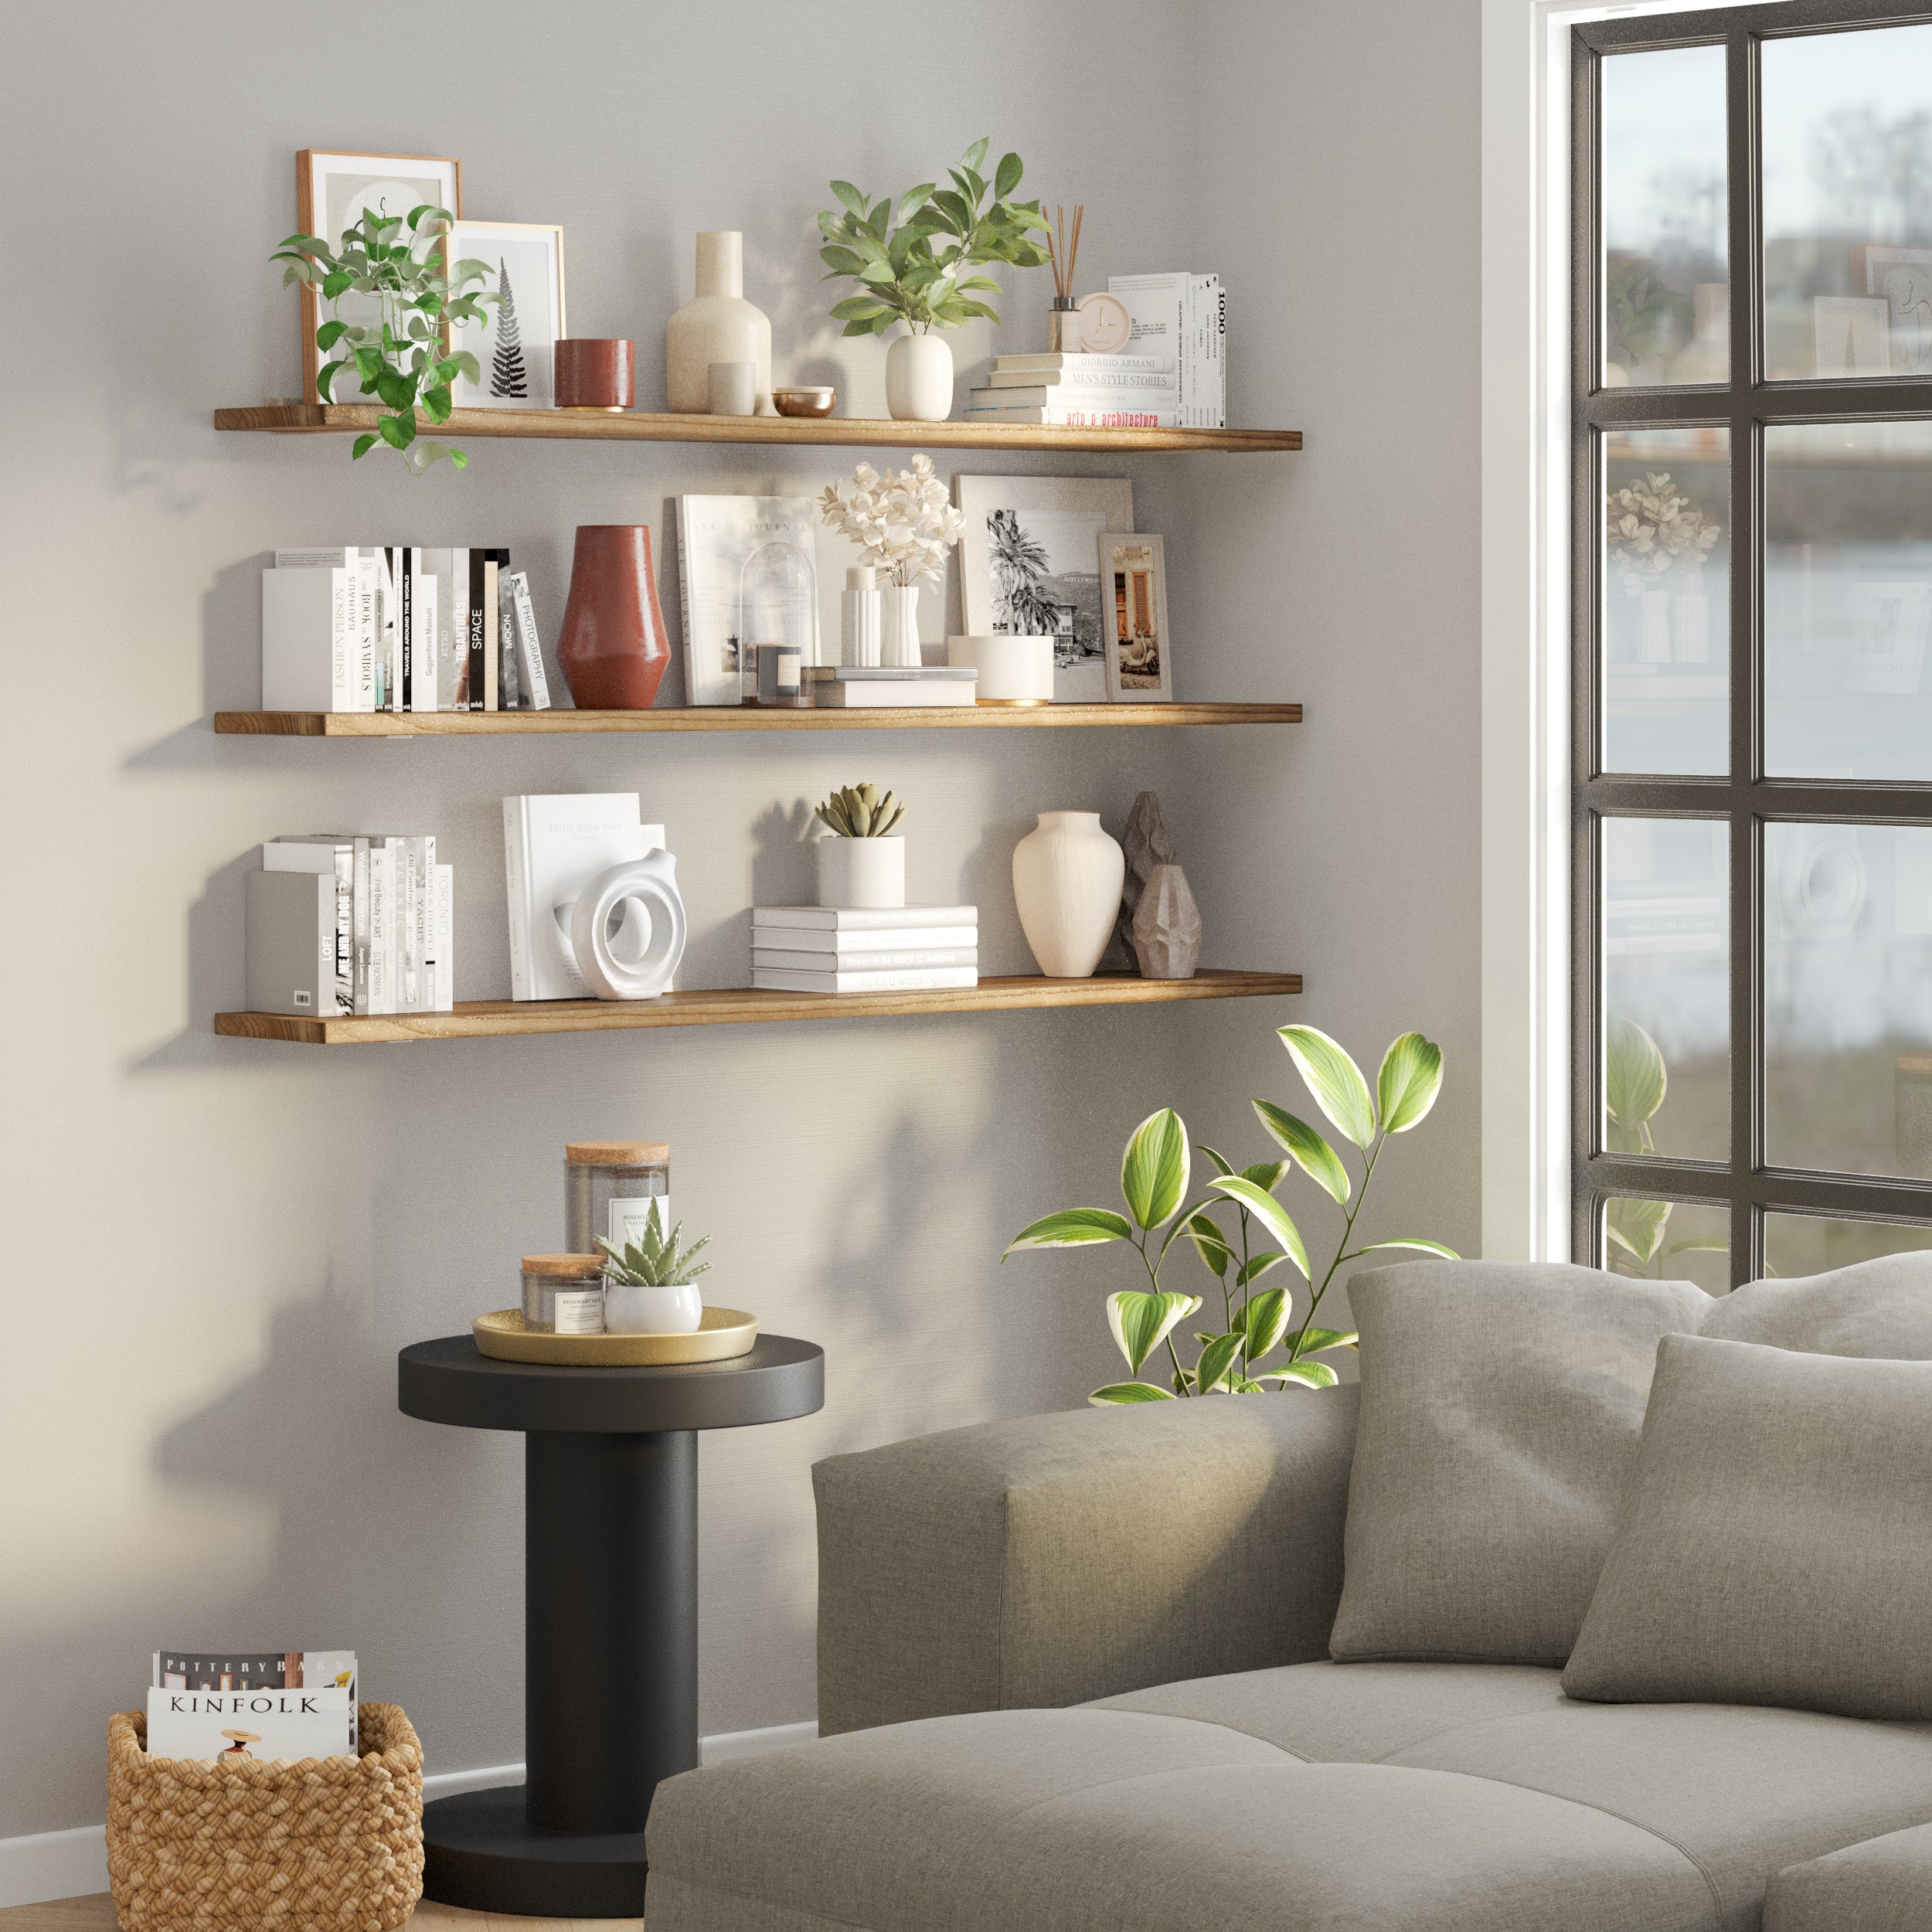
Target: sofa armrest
[
  {"x": 1058, "y": 1558},
  {"x": 1883, "y": 1885}
]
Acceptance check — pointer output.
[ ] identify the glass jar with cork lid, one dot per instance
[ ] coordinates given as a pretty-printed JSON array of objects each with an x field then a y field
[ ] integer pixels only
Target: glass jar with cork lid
[
  {"x": 610, "y": 1188},
  {"x": 563, "y": 1293}
]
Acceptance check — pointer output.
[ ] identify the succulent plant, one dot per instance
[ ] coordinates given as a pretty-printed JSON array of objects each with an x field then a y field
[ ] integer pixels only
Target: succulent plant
[
  {"x": 862, "y": 812},
  {"x": 657, "y": 1261}
]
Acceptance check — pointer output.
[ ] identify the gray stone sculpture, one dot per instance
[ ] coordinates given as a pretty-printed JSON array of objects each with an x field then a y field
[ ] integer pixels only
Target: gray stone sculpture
[
  {"x": 1167, "y": 927},
  {"x": 1147, "y": 843}
]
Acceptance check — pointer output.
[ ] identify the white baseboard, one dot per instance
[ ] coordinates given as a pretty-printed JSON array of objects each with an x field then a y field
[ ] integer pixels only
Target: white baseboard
[{"x": 71, "y": 1865}]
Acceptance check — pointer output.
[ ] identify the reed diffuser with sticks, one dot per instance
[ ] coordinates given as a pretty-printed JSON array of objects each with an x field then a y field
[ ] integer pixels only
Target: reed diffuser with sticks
[{"x": 1062, "y": 250}]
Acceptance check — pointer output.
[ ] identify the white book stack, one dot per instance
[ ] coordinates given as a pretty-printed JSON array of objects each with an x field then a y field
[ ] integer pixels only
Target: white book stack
[
  {"x": 856, "y": 687},
  {"x": 1137, "y": 390},
  {"x": 826, "y": 949},
  {"x": 341, "y": 924},
  {"x": 1185, "y": 316}
]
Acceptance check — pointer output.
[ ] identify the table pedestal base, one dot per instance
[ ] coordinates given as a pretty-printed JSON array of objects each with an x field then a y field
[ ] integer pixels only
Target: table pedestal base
[{"x": 480, "y": 1853}]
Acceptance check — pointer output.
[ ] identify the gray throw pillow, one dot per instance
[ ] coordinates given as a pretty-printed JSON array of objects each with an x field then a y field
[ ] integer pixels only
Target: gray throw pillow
[
  {"x": 1775, "y": 1542},
  {"x": 1501, "y": 1406},
  {"x": 1881, "y": 1308}
]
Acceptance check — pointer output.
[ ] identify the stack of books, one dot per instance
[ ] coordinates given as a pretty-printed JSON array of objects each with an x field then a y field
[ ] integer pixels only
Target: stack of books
[
  {"x": 1139, "y": 390},
  {"x": 349, "y": 923},
  {"x": 1185, "y": 316},
  {"x": 265, "y": 1705},
  {"x": 397, "y": 628},
  {"x": 850, "y": 687},
  {"x": 831, "y": 949}
]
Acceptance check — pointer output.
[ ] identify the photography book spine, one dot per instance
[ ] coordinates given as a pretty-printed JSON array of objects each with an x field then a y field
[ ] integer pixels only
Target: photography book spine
[
  {"x": 529, "y": 647},
  {"x": 476, "y": 634},
  {"x": 516, "y": 866}
]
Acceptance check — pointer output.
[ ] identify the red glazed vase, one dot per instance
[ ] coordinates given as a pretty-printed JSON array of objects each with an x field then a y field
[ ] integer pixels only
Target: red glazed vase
[
  {"x": 612, "y": 648},
  {"x": 594, "y": 373}
]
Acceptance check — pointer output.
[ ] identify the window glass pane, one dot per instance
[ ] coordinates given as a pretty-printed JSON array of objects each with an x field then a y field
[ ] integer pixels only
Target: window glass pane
[
  {"x": 1848, "y": 203},
  {"x": 1848, "y": 599},
  {"x": 1847, "y": 999},
  {"x": 1666, "y": 297},
  {"x": 1666, "y": 1067},
  {"x": 1802, "y": 1244},
  {"x": 1666, "y": 615},
  {"x": 1669, "y": 1241}
]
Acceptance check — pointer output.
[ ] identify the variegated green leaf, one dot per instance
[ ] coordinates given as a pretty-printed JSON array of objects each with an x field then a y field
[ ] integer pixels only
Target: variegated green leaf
[
  {"x": 1216, "y": 1358},
  {"x": 1410, "y": 1079},
  {"x": 1269, "y": 1212},
  {"x": 1320, "y": 1161},
  {"x": 1141, "y": 1322},
  {"x": 1423, "y": 1247},
  {"x": 1071, "y": 1228},
  {"x": 1126, "y": 1392},
  {"x": 1313, "y": 1341},
  {"x": 1334, "y": 1081},
  {"x": 1310, "y": 1374},
  {"x": 1263, "y": 1321},
  {"x": 1154, "y": 1169}
]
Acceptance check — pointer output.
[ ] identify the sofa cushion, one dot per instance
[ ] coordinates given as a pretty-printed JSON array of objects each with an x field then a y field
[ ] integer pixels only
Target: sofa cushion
[
  {"x": 1884, "y": 1885},
  {"x": 1880, "y": 1307},
  {"x": 1501, "y": 1406},
  {"x": 1104, "y": 1820},
  {"x": 1775, "y": 1542}
]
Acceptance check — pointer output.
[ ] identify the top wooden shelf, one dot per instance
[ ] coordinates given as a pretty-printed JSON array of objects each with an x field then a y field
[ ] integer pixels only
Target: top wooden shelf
[{"x": 344, "y": 418}]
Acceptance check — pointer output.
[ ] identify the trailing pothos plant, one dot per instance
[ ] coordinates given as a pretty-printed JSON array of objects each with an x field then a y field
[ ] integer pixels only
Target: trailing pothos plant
[
  {"x": 401, "y": 359},
  {"x": 1635, "y": 1081},
  {"x": 911, "y": 268},
  {"x": 1235, "y": 1357}
]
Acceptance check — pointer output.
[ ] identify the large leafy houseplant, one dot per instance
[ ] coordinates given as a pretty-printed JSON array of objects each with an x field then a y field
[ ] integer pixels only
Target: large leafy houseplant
[
  {"x": 1635, "y": 1082},
  {"x": 1234, "y": 1358},
  {"x": 911, "y": 266},
  {"x": 402, "y": 358}
]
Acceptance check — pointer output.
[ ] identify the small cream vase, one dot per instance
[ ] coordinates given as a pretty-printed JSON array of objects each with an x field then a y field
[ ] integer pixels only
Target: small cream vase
[
  {"x": 1067, "y": 875},
  {"x": 868, "y": 872},
  {"x": 919, "y": 379},
  {"x": 1011, "y": 670}
]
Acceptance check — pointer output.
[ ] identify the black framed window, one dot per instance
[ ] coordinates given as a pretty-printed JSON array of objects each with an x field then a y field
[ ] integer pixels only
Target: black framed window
[{"x": 1752, "y": 591}]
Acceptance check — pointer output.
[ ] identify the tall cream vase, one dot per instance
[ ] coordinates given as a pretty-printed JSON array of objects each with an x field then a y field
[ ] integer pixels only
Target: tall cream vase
[
  {"x": 1067, "y": 875},
  {"x": 717, "y": 325}
]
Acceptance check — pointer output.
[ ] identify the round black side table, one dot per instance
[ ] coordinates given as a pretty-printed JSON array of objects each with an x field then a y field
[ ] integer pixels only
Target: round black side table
[{"x": 610, "y": 1607}]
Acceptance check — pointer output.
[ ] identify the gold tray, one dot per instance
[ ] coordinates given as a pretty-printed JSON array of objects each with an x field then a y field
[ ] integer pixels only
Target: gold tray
[{"x": 724, "y": 1332}]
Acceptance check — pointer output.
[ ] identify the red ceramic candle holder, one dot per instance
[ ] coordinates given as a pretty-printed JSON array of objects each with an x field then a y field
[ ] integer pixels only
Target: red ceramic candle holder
[{"x": 595, "y": 373}]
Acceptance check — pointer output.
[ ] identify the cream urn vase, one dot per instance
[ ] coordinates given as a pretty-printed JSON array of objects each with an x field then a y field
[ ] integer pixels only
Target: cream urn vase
[
  {"x": 1067, "y": 875},
  {"x": 717, "y": 325},
  {"x": 919, "y": 379}
]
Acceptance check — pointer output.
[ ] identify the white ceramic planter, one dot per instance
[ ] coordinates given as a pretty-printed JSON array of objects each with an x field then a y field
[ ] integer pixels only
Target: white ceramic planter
[
  {"x": 629, "y": 1309},
  {"x": 862, "y": 871},
  {"x": 899, "y": 644},
  {"x": 717, "y": 325},
  {"x": 919, "y": 379},
  {"x": 1067, "y": 875},
  {"x": 1011, "y": 670}
]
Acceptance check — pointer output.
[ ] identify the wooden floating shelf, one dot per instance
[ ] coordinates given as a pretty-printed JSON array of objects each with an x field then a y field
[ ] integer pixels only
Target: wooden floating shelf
[
  {"x": 486, "y": 1019},
  {"x": 489, "y": 724},
  {"x": 344, "y": 418}
]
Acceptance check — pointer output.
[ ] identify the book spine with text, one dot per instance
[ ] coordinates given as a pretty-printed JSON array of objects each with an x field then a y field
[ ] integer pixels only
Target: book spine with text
[
  {"x": 530, "y": 649},
  {"x": 476, "y": 633},
  {"x": 445, "y": 899},
  {"x": 516, "y": 867}
]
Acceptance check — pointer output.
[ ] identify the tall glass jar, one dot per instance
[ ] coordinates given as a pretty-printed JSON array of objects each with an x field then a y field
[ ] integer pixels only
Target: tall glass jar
[
  {"x": 563, "y": 1293},
  {"x": 610, "y": 1188}
]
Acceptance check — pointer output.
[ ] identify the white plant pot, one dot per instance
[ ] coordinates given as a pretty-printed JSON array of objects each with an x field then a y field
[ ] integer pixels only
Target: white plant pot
[
  {"x": 899, "y": 647},
  {"x": 919, "y": 379},
  {"x": 1011, "y": 670},
  {"x": 1067, "y": 875},
  {"x": 861, "y": 871},
  {"x": 629, "y": 1309}
]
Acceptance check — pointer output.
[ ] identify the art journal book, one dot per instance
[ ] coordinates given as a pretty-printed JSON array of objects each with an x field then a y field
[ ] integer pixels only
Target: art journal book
[
  {"x": 554, "y": 845},
  {"x": 746, "y": 564}
]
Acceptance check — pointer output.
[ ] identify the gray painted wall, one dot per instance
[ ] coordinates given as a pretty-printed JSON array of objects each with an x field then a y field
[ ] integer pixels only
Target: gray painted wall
[{"x": 216, "y": 1246}]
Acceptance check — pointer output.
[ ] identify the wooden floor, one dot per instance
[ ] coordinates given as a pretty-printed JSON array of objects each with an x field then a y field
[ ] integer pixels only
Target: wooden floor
[{"x": 96, "y": 1914}]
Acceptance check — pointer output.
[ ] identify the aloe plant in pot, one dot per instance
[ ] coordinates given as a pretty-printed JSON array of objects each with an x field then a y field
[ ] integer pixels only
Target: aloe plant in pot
[
  {"x": 650, "y": 1284},
  {"x": 1236, "y": 1355}
]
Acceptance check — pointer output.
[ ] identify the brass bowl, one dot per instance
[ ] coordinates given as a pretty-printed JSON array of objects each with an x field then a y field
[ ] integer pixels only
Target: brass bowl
[
  {"x": 725, "y": 1332},
  {"x": 805, "y": 402}
]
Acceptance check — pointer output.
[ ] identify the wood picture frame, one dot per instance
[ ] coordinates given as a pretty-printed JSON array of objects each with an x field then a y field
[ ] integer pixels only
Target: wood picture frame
[
  {"x": 1140, "y": 647},
  {"x": 332, "y": 190}
]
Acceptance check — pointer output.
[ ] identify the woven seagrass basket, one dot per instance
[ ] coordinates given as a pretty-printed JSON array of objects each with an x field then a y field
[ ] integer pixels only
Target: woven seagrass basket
[{"x": 330, "y": 1844}]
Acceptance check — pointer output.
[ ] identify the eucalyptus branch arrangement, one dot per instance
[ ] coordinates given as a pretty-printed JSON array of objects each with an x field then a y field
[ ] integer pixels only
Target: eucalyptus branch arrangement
[
  {"x": 905, "y": 518},
  {"x": 910, "y": 266},
  {"x": 860, "y": 812},
  {"x": 1256, "y": 1320},
  {"x": 401, "y": 358}
]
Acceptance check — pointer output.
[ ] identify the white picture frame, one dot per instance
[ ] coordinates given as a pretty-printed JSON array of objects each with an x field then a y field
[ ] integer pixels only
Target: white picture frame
[
  {"x": 1029, "y": 565},
  {"x": 518, "y": 361},
  {"x": 1140, "y": 647},
  {"x": 331, "y": 191},
  {"x": 1851, "y": 335},
  {"x": 1903, "y": 277}
]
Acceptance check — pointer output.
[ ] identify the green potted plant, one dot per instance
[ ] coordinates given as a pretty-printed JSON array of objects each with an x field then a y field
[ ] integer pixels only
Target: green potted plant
[
  {"x": 650, "y": 1284},
  {"x": 402, "y": 358},
  {"x": 1236, "y": 1356},
  {"x": 911, "y": 267},
  {"x": 863, "y": 862}
]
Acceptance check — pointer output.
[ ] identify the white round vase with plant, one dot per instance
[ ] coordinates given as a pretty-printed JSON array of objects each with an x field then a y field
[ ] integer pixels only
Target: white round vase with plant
[
  {"x": 911, "y": 268},
  {"x": 650, "y": 1284},
  {"x": 863, "y": 862},
  {"x": 906, "y": 523}
]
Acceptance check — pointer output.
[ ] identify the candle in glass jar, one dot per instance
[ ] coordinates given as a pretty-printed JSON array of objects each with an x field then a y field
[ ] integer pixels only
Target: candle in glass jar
[{"x": 609, "y": 1189}]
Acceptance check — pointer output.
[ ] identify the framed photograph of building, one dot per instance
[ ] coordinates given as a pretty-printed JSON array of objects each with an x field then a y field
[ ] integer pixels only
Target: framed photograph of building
[
  {"x": 1140, "y": 663},
  {"x": 332, "y": 191},
  {"x": 1029, "y": 566},
  {"x": 515, "y": 345}
]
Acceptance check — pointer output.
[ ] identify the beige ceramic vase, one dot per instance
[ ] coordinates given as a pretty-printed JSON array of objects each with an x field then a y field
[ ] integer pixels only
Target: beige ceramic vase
[
  {"x": 717, "y": 325},
  {"x": 1067, "y": 874}
]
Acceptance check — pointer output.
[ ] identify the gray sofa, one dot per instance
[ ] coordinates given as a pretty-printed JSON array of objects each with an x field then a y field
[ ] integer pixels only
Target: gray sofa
[{"x": 1074, "y": 1674}]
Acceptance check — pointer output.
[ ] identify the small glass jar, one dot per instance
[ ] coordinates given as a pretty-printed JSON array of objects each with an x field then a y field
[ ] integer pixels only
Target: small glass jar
[
  {"x": 563, "y": 1293},
  {"x": 609, "y": 1189}
]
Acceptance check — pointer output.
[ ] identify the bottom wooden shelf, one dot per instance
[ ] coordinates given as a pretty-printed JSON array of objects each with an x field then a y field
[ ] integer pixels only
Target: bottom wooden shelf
[{"x": 477, "y": 1019}]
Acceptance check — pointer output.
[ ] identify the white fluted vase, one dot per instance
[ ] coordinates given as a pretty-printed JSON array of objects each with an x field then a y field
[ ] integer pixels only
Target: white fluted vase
[{"x": 1067, "y": 875}]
